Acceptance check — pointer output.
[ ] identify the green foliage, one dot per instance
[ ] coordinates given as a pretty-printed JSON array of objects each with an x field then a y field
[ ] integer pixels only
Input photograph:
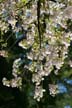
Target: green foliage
[{"x": 25, "y": 1}]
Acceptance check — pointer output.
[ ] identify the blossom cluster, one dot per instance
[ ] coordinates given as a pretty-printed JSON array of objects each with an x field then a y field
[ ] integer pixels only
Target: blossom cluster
[
  {"x": 17, "y": 80},
  {"x": 54, "y": 38}
]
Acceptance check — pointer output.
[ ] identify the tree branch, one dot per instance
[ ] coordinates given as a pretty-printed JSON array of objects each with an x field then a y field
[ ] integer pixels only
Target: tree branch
[{"x": 38, "y": 19}]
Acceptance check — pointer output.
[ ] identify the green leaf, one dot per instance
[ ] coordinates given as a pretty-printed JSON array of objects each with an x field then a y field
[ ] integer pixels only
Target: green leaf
[{"x": 25, "y": 1}]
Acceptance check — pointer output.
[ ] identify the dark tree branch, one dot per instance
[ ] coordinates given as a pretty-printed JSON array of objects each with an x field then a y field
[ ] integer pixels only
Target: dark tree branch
[{"x": 38, "y": 19}]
